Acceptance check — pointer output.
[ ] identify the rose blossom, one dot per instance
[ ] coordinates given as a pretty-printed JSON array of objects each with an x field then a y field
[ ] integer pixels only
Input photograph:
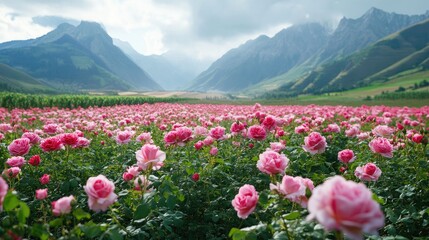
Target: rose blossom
[
  {"x": 19, "y": 147},
  {"x": 346, "y": 156},
  {"x": 124, "y": 137},
  {"x": 15, "y": 161},
  {"x": 69, "y": 138},
  {"x": 383, "y": 131},
  {"x": 213, "y": 151},
  {"x": 272, "y": 162},
  {"x": 33, "y": 137},
  {"x": 417, "y": 138},
  {"x": 3, "y": 191},
  {"x": 12, "y": 172},
  {"x": 276, "y": 146},
  {"x": 145, "y": 137},
  {"x": 62, "y": 205},
  {"x": 100, "y": 191},
  {"x": 51, "y": 144},
  {"x": 343, "y": 205},
  {"x": 217, "y": 133},
  {"x": 170, "y": 138},
  {"x": 41, "y": 193},
  {"x": 369, "y": 172},
  {"x": 256, "y": 132},
  {"x": 314, "y": 143},
  {"x": 184, "y": 134},
  {"x": 245, "y": 201},
  {"x": 34, "y": 160},
  {"x": 45, "y": 179},
  {"x": 294, "y": 189},
  {"x": 382, "y": 146},
  {"x": 198, "y": 145},
  {"x": 237, "y": 128},
  {"x": 195, "y": 177},
  {"x": 269, "y": 123},
  {"x": 149, "y": 156},
  {"x": 82, "y": 142}
]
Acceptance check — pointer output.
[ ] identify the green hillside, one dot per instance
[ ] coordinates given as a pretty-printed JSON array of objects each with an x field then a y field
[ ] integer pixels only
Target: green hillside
[{"x": 14, "y": 80}]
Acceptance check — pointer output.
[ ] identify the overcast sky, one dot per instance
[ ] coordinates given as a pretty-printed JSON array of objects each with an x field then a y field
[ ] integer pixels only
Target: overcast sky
[{"x": 205, "y": 29}]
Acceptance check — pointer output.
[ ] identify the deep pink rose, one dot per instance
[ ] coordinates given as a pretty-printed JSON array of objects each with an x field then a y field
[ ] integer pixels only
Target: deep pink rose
[
  {"x": 19, "y": 147},
  {"x": 184, "y": 134},
  {"x": 417, "y": 138},
  {"x": 69, "y": 138},
  {"x": 124, "y": 137},
  {"x": 16, "y": 161},
  {"x": 343, "y": 205},
  {"x": 237, "y": 128},
  {"x": 100, "y": 191},
  {"x": 256, "y": 132},
  {"x": 51, "y": 144},
  {"x": 198, "y": 145},
  {"x": 245, "y": 201},
  {"x": 45, "y": 179},
  {"x": 3, "y": 191},
  {"x": 34, "y": 160},
  {"x": 170, "y": 138},
  {"x": 269, "y": 123},
  {"x": 314, "y": 143},
  {"x": 217, "y": 133},
  {"x": 346, "y": 156},
  {"x": 369, "y": 172},
  {"x": 41, "y": 194},
  {"x": 62, "y": 205},
  {"x": 382, "y": 146},
  {"x": 272, "y": 162},
  {"x": 149, "y": 156},
  {"x": 195, "y": 177}
]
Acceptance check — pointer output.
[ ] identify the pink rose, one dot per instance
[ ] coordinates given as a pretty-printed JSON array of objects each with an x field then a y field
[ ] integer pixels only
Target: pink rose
[
  {"x": 170, "y": 138},
  {"x": 346, "y": 206},
  {"x": 127, "y": 176},
  {"x": 200, "y": 131},
  {"x": 217, "y": 132},
  {"x": 245, "y": 201},
  {"x": 41, "y": 194},
  {"x": 3, "y": 191},
  {"x": 149, "y": 156},
  {"x": 346, "y": 156},
  {"x": 69, "y": 139},
  {"x": 332, "y": 128},
  {"x": 369, "y": 172},
  {"x": 12, "y": 172},
  {"x": 353, "y": 131},
  {"x": 45, "y": 179},
  {"x": 33, "y": 137},
  {"x": 382, "y": 146},
  {"x": 383, "y": 131},
  {"x": 198, "y": 145},
  {"x": 271, "y": 162},
  {"x": 51, "y": 128},
  {"x": 144, "y": 137},
  {"x": 124, "y": 137},
  {"x": 237, "y": 128},
  {"x": 269, "y": 123},
  {"x": 19, "y": 147},
  {"x": 314, "y": 143},
  {"x": 294, "y": 189},
  {"x": 256, "y": 132},
  {"x": 277, "y": 146},
  {"x": 15, "y": 161},
  {"x": 417, "y": 138},
  {"x": 82, "y": 143},
  {"x": 208, "y": 141},
  {"x": 51, "y": 144},
  {"x": 100, "y": 191},
  {"x": 184, "y": 134},
  {"x": 213, "y": 151},
  {"x": 34, "y": 160},
  {"x": 62, "y": 205}
]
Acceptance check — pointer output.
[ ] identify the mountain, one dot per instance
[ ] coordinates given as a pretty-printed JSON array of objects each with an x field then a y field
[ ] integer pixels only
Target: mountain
[
  {"x": 241, "y": 69},
  {"x": 262, "y": 58},
  {"x": 168, "y": 74},
  {"x": 403, "y": 51},
  {"x": 97, "y": 47},
  {"x": 12, "y": 79}
]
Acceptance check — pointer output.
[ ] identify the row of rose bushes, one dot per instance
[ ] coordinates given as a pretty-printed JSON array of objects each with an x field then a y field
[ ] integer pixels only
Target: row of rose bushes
[{"x": 214, "y": 171}]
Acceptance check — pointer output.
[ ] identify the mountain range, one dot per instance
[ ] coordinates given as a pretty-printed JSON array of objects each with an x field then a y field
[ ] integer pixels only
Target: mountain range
[{"x": 290, "y": 60}]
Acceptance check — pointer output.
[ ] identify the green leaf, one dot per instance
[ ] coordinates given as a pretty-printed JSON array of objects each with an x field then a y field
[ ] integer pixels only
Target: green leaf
[
  {"x": 378, "y": 199},
  {"x": 80, "y": 214},
  {"x": 237, "y": 234},
  {"x": 114, "y": 234},
  {"x": 292, "y": 215},
  {"x": 56, "y": 222},
  {"x": 23, "y": 212},
  {"x": 91, "y": 230},
  {"x": 38, "y": 230},
  {"x": 10, "y": 201},
  {"x": 142, "y": 211},
  {"x": 280, "y": 236}
]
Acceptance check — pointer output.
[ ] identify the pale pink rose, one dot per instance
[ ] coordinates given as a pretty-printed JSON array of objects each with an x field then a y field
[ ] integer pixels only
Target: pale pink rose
[
  {"x": 208, "y": 141},
  {"x": 51, "y": 128},
  {"x": 269, "y": 123},
  {"x": 124, "y": 137},
  {"x": 82, "y": 142},
  {"x": 184, "y": 134},
  {"x": 69, "y": 138},
  {"x": 12, "y": 172},
  {"x": 134, "y": 170},
  {"x": 33, "y": 137},
  {"x": 363, "y": 135},
  {"x": 245, "y": 201},
  {"x": 346, "y": 206},
  {"x": 271, "y": 162},
  {"x": 100, "y": 191},
  {"x": 382, "y": 146},
  {"x": 256, "y": 132},
  {"x": 145, "y": 137},
  {"x": 19, "y": 147},
  {"x": 277, "y": 146},
  {"x": 346, "y": 156},
  {"x": 16, "y": 161},
  {"x": 51, "y": 144},
  {"x": 213, "y": 151},
  {"x": 62, "y": 205},
  {"x": 1, "y": 136},
  {"x": 3, "y": 191},
  {"x": 6, "y": 127},
  {"x": 332, "y": 128},
  {"x": 237, "y": 128},
  {"x": 200, "y": 131},
  {"x": 353, "y": 131},
  {"x": 294, "y": 189},
  {"x": 41, "y": 194},
  {"x": 383, "y": 131},
  {"x": 150, "y": 157},
  {"x": 301, "y": 129},
  {"x": 314, "y": 143},
  {"x": 369, "y": 172},
  {"x": 170, "y": 138},
  {"x": 217, "y": 133},
  {"x": 142, "y": 184}
]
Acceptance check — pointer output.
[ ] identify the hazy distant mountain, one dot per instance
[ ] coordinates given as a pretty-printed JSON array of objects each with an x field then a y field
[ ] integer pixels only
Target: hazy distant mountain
[
  {"x": 262, "y": 58},
  {"x": 402, "y": 51},
  {"x": 108, "y": 63},
  {"x": 268, "y": 63},
  {"x": 168, "y": 74}
]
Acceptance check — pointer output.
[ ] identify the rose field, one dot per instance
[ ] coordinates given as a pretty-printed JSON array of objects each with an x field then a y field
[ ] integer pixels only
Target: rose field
[{"x": 194, "y": 171}]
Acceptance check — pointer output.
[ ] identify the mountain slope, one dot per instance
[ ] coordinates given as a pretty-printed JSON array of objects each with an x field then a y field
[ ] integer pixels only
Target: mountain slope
[
  {"x": 65, "y": 64},
  {"x": 12, "y": 79},
  {"x": 262, "y": 58},
  {"x": 405, "y": 50}
]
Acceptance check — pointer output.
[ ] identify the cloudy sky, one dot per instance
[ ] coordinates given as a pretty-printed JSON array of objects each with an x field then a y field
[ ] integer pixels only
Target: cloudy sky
[{"x": 205, "y": 29}]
